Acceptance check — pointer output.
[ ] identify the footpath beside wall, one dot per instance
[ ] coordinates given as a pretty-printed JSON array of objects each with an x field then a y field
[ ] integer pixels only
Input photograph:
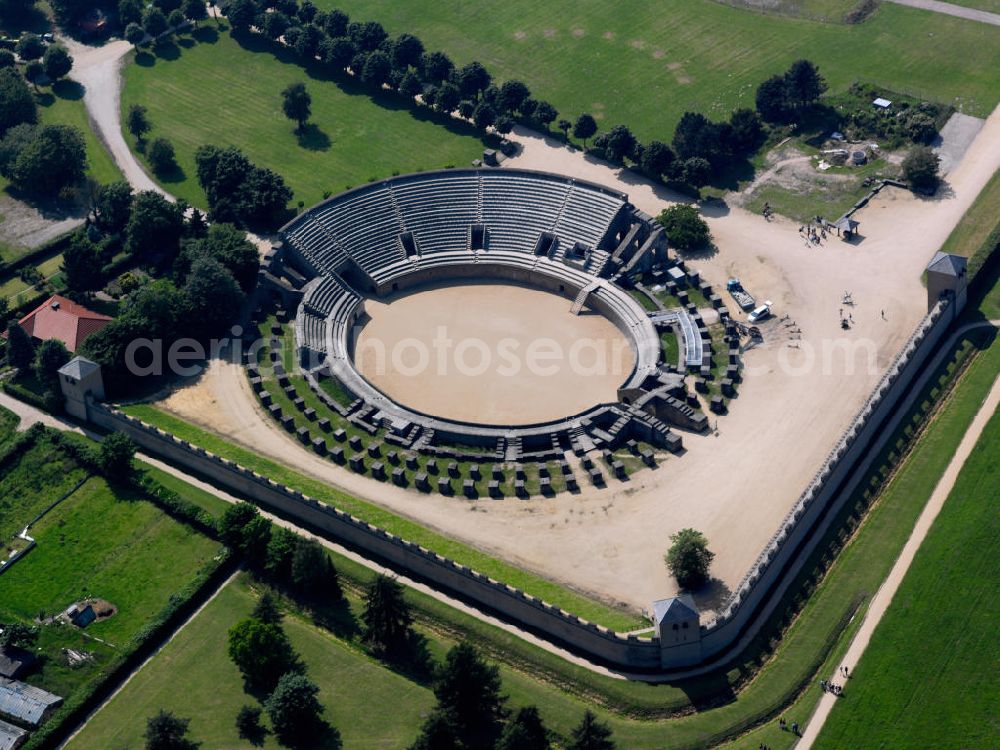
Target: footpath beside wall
[
  {"x": 594, "y": 640},
  {"x": 751, "y": 603}
]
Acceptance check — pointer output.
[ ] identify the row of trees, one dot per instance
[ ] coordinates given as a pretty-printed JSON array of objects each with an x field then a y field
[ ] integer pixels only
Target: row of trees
[
  {"x": 158, "y": 18},
  {"x": 471, "y": 713},
  {"x": 51, "y": 61},
  {"x": 401, "y": 64}
]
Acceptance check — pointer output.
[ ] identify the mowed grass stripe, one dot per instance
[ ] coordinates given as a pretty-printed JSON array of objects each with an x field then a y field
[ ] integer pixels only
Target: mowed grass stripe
[
  {"x": 217, "y": 92},
  {"x": 723, "y": 53},
  {"x": 926, "y": 679}
]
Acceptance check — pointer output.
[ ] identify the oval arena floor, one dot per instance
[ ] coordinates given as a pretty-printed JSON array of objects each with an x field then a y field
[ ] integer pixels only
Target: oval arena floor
[{"x": 494, "y": 353}]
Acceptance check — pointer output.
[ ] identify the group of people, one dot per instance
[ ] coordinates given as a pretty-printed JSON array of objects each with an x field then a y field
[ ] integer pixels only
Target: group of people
[
  {"x": 830, "y": 687},
  {"x": 814, "y": 234},
  {"x": 784, "y": 726}
]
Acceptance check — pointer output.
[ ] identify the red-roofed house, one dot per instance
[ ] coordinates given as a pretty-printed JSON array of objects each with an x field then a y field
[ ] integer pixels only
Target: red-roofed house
[{"x": 63, "y": 319}]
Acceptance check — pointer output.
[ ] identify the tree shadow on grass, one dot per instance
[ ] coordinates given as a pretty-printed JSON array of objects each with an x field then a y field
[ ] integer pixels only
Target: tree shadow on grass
[
  {"x": 351, "y": 86},
  {"x": 186, "y": 42},
  {"x": 173, "y": 175},
  {"x": 167, "y": 49},
  {"x": 68, "y": 90},
  {"x": 205, "y": 35},
  {"x": 144, "y": 58},
  {"x": 312, "y": 138}
]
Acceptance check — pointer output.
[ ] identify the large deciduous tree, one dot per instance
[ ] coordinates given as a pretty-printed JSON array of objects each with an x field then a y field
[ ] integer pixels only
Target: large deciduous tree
[
  {"x": 584, "y": 128},
  {"x": 296, "y": 103},
  {"x": 684, "y": 227},
  {"x": 689, "y": 558},
  {"x": 262, "y": 653}
]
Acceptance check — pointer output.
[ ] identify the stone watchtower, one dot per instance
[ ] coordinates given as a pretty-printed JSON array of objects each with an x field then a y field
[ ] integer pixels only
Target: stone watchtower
[
  {"x": 78, "y": 379},
  {"x": 947, "y": 274},
  {"x": 678, "y": 627}
]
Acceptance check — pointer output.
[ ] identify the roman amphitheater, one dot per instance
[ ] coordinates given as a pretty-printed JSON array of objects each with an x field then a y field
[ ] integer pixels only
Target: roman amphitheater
[{"x": 436, "y": 321}]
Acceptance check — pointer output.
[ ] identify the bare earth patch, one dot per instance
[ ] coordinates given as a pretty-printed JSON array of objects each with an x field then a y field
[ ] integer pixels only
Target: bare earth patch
[
  {"x": 802, "y": 387},
  {"x": 482, "y": 371}
]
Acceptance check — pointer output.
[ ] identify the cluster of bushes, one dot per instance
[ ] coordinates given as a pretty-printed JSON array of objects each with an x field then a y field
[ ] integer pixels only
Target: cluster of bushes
[
  {"x": 207, "y": 274},
  {"x": 38, "y": 159},
  {"x": 701, "y": 149},
  {"x": 902, "y": 123},
  {"x": 238, "y": 190}
]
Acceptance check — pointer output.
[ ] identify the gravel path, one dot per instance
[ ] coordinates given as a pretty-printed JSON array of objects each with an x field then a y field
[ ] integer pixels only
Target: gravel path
[
  {"x": 950, "y": 9},
  {"x": 883, "y": 597},
  {"x": 98, "y": 70}
]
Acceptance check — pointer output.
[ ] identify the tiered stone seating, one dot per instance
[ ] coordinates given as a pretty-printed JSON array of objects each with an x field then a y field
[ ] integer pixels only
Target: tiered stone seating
[
  {"x": 310, "y": 331},
  {"x": 587, "y": 215},
  {"x": 439, "y": 211},
  {"x": 366, "y": 226},
  {"x": 315, "y": 244},
  {"x": 517, "y": 208}
]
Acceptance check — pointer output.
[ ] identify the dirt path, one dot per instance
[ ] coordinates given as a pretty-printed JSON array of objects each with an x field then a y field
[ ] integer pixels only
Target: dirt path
[
  {"x": 883, "y": 597},
  {"x": 800, "y": 392},
  {"x": 98, "y": 70},
  {"x": 950, "y": 9}
]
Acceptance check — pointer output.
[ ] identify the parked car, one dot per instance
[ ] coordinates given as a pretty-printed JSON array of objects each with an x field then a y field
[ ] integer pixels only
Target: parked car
[{"x": 760, "y": 313}]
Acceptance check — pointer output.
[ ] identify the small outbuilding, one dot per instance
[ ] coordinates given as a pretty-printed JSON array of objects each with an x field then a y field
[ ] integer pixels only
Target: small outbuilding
[
  {"x": 11, "y": 737},
  {"x": 15, "y": 662},
  {"x": 846, "y": 227},
  {"x": 25, "y": 703}
]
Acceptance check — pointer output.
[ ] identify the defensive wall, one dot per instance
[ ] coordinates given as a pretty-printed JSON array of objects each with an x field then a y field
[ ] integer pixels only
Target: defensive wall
[{"x": 752, "y": 601}]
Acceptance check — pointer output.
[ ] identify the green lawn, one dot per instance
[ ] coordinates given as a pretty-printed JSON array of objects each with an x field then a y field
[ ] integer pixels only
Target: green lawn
[
  {"x": 8, "y": 425},
  {"x": 214, "y": 91},
  {"x": 928, "y": 677},
  {"x": 993, "y": 6},
  {"x": 193, "y": 676},
  {"x": 644, "y": 64},
  {"x": 829, "y": 11},
  {"x": 62, "y": 104},
  {"x": 30, "y": 483},
  {"x": 589, "y": 609},
  {"x": 978, "y": 223},
  {"x": 105, "y": 543}
]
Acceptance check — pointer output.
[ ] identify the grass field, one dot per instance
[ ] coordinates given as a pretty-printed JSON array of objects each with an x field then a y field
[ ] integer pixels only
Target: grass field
[
  {"x": 109, "y": 544},
  {"x": 62, "y": 104},
  {"x": 32, "y": 482},
  {"x": 644, "y": 64},
  {"x": 928, "y": 676},
  {"x": 993, "y": 6},
  {"x": 214, "y": 91},
  {"x": 194, "y": 677},
  {"x": 982, "y": 219},
  {"x": 8, "y": 425}
]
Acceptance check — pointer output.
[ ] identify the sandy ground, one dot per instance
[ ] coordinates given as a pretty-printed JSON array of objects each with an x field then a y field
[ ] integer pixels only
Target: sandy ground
[
  {"x": 802, "y": 388},
  {"x": 480, "y": 353}
]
